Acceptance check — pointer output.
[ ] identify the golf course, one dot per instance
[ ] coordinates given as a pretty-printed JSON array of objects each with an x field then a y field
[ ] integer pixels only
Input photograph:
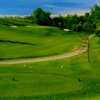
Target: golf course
[
  {"x": 47, "y": 80},
  {"x": 35, "y": 41},
  {"x": 52, "y": 54}
]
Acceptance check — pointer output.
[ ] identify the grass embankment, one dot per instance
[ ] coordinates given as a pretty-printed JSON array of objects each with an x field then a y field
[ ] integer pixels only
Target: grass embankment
[
  {"x": 48, "y": 81},
  {"x": 35, "y": 41},
  {"x": 15, "y": 22}
]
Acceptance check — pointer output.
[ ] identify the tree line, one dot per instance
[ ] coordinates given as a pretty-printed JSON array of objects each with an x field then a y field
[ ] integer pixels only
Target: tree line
[{"x": 86, "y": 23}]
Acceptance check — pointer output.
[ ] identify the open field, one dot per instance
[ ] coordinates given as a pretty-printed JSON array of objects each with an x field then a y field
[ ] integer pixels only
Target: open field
[
  {"x": 35, "y": 41},
  {"x": 48, "y": 81}
]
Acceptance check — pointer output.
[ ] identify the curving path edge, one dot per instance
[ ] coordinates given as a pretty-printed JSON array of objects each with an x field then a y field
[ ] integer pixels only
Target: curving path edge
[{"x": 77, "y": 52}]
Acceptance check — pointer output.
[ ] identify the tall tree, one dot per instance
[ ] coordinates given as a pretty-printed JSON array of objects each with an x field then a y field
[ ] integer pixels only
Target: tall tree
[
  {"x": 95, "y": 13},
  {"x": 41, "y": 17}
]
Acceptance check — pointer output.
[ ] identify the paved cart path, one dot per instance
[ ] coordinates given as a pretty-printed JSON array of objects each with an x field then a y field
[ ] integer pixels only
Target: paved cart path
[{"x": 82, "y": 49}]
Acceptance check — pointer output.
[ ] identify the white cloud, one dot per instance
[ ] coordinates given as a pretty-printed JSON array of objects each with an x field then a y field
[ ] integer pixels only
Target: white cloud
[
  {"x": 66, "y": 10},
  {"x": 63, "y": 13},
  {"x": 50, "y": 6}
]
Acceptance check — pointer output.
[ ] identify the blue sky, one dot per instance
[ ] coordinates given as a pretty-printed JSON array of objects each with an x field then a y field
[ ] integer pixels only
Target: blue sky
[{"x": 56, "y": 7}]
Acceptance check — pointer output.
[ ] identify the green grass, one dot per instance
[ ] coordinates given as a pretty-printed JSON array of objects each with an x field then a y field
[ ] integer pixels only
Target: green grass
[
  {"x": 47, "y": 41},
  {"x": 9, "y": 22},
  {"x": 48, "y": 81}
]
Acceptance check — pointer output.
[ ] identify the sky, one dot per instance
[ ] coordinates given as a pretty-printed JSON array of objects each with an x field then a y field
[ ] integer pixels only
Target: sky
[{"x": 56, "y": 7}]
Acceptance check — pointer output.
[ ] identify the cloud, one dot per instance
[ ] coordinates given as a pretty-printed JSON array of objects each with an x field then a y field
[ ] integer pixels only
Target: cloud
[
  {"x": 65, "y": 10},
  {"x": 26, "y": 7},
  {"x": 64, "y": 13},
  {"x": 58, "y": 7},
  {"x": 50, "y": 6},
  {"x": 56, "y": 13},
  {"x": 12, "y": 16}
]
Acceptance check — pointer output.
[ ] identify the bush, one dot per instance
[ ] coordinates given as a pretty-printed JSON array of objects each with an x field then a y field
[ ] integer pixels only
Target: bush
[{"x": 97, "y": 32}]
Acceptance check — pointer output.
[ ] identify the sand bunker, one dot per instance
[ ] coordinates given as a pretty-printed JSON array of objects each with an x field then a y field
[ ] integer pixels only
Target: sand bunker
[
  {"x": 66, "y": 30},
  {"x": 14, "y": 26}
]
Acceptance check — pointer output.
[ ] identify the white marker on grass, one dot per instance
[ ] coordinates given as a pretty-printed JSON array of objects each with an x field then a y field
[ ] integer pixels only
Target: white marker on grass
[
  {"x": 62, "y": 66},
  {"x": 25, "y": 65}
]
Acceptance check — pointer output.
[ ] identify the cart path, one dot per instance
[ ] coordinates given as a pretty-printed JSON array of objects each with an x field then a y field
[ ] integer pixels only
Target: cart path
[{"x": 67, "y": 55}]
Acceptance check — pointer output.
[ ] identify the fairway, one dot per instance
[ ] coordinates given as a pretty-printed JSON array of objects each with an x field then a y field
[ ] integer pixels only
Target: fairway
[
  {"x": 49, "y": 81},
  {"x": 35, "y": 41}
]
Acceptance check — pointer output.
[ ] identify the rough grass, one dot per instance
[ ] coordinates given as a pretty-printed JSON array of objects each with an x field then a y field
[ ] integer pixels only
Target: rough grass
[
  {"x": 47, "y": 41},
  {"x": 48, "y": 81}
]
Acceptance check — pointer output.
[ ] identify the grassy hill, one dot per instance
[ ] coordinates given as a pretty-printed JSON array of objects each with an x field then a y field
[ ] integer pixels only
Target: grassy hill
[
  {"x": 15, "y": 22},
  {"x": 35, "y": 41}
]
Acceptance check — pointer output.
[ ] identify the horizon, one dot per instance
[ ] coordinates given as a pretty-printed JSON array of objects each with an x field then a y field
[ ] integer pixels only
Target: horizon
[{"x": 64, "y": 7}]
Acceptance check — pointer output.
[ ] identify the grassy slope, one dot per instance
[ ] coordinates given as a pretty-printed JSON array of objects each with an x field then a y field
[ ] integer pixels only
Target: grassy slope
[
  {"x": 16, "y": 22},
  {"x": 46, "y": 41},
  {"x": 48, "y": 81}
]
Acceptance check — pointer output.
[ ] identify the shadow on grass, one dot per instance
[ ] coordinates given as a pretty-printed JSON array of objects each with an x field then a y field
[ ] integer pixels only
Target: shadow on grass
[
  {"x": 27, "y": 57},
  {"x": 16, "y": 42}
]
